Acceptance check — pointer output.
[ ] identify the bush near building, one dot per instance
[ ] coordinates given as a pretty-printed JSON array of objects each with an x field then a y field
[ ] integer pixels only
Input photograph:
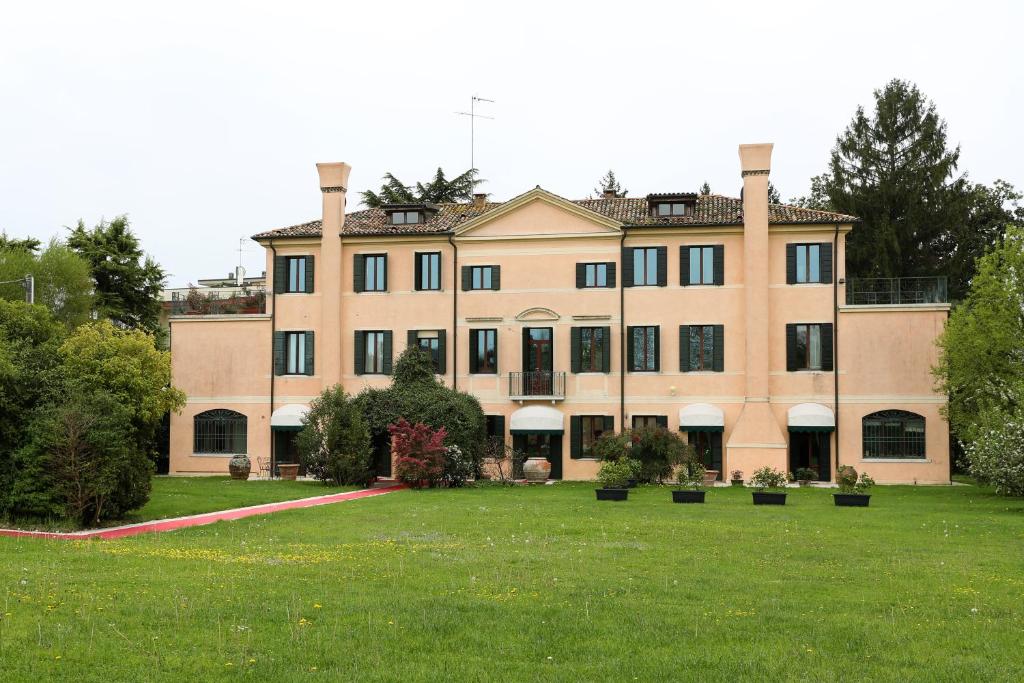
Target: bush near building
[{"x": 335, "y": 442}]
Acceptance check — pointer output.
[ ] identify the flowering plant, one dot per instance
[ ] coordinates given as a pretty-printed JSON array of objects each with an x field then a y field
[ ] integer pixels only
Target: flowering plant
[{"x": 769, "y": 478}]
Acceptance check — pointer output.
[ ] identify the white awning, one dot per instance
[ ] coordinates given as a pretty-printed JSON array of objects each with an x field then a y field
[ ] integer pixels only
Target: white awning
[
  {"x": 701, "y": 417},
  {"x": 537, "y": 420},
  {"x": 811, "y": 417},
  {"x": 289, "y": 417}
]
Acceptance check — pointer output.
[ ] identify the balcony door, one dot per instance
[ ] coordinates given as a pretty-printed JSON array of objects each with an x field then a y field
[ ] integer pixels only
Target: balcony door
[{"x": 537, "y": 360}]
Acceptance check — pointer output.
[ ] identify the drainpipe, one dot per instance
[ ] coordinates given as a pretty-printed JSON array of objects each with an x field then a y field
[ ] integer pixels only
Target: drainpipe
[
  {"x": 835, "y": 338},
  {"x": 622, "y": 337},
  {"x": 455, "y": 311},
  {"x": 273, "y": 329}
]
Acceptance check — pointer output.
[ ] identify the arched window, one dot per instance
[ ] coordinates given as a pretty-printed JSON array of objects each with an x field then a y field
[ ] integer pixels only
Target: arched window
[
  {"x": 893, "y": 434},
  {"x": 220, "y": 432}
]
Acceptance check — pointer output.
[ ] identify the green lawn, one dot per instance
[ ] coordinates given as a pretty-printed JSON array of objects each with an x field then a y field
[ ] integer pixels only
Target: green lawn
[{"x": 536, "y": 584}]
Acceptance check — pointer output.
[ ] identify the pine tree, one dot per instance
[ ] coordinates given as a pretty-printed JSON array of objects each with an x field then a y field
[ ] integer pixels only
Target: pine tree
[
  {"x": 774, "y": 196},
  {"x": 609, "y": 182},
  {"x": 438, "y": 190},
  {"x": 705, "y": 188}
]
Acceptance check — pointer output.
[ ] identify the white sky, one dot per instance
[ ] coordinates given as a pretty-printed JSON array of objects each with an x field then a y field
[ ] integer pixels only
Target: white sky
[{"x": 203, "y": 121}]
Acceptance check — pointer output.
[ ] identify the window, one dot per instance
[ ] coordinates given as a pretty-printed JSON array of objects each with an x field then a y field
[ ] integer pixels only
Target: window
[
  {"x": 893, "y": 434},
  {"x": 585, "y": 430},
  {"x": 809, "y": 346},
  {"x": 808, "y": 263},
  {"x": 591, "y": 352},
  {"x": 643, "y": 351},
  {"x": 296, "y": 273},
  {"x": 219, "y": 432},
  {"x": 495, "y": 426},
  {"x": 371, "y": 272},
  {"x": 374, "y": 345},
  {"x": 428, "y": 271},
  {"x": 406, "y": 217},
  {"x": 702, "y": 265},
  {"x": 481, "y": 277},
  {"x": 595, "y": 275},
  {"x": 666, "y": 209},
  {"x": 483, "y": 351},
  {"x": 373, "y": 352},
  {"x": 295, "y": 347},
  {"x": 700, "y": 348},
  {"x": 293, "y": 274},
  {"x": 431, "y": 342},
  {"x": 645, "y": 266},
  {"x": 642, "y": 421}
]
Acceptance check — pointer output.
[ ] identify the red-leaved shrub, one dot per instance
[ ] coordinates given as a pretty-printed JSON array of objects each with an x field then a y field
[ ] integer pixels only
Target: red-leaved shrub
[{"x": 419, "y": 453}]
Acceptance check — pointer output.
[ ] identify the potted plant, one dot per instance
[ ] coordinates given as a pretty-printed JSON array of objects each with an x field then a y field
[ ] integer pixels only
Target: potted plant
[
  {"x": 852, "y": 489},
  {"x": 239, "y": 466},
  {"x": 805, "y": 475},
  {"x": 690, "y": 478},
  {"x": 769, "y": 478},
  {"x": 613, "y": 476},
  {"x": 736, "y": 477}
]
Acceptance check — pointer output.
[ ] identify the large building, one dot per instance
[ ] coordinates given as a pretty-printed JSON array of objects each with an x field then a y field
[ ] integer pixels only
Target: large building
[{"x": 728, "y": 319}]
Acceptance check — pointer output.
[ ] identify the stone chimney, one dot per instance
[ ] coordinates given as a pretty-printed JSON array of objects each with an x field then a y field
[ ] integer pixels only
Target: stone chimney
[
  {"x": 328, "y": 272},
  {"x": 479, "y": 200}
]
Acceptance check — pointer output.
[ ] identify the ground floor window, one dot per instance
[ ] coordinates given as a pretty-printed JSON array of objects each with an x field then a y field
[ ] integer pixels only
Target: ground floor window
[
  {"x": 893, "y": 434},
  {"x": 219, "y": 432},
  {"x": 708, "y": 446},
  {"x": 641, "y": 421}
]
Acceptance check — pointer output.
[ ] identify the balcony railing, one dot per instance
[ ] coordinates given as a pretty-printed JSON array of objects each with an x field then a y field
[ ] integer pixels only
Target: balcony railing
[
  {"x": 885, "y": 291},
  {"x": 209, "y": 304},
  {"x": 536, "y": 384}
]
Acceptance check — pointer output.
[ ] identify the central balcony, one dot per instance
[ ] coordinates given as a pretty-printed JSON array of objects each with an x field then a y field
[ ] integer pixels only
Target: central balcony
[{"x": 537, "y": 385}]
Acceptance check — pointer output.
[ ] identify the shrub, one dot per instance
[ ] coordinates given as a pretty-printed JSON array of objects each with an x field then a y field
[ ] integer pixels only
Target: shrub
[
  {"x": 504, "y": 461},
  {"x": 805, "y": 474},
  {"x": 612, "y": 446},
  {"x": 658, "y": 450},
  {"x": 769, "y": 478},
  {"x": 736, "y": 475},
  {"x": 691, "y": 475},
  {"x": 419, "y": 453},
  {"x": 849, "y": 482},
  {"x": 996, "y": 456},
  {"x": 615, "y": 474},
  {"x": 458, "y": 467},
  {"x": 334, "y": 444}
]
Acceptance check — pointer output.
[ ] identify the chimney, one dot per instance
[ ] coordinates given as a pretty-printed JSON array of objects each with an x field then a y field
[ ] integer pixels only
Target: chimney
[
  {"x": 329, "y": 272},
  {"x": 479, "y": 200},
  {"x": 609, "y": 193}
]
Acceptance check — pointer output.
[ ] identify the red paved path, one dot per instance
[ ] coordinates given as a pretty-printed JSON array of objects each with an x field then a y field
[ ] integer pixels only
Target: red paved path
[{"x": 199, "y": 520}]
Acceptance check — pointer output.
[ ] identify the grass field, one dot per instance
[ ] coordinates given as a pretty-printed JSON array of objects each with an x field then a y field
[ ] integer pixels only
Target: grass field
[{"x": 537, "y": 584}]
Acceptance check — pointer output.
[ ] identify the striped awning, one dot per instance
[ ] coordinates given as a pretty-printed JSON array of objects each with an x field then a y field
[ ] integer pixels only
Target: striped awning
[
  {"x": 289, "y": 418},
  {"x": 811, "y": 417},
  {"x": 701, "y": 417},
  {"x": 537, "y": 420}
]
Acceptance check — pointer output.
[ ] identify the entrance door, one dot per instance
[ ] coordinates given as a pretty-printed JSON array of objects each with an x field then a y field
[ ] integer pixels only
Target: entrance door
[
  {"x": 286, "y": 450},
  {"x": 537, "y": 361},
  {"x": 708, "y": 446},
  {"x": 813, "y": 450},
  {"x": 381, "y": 445},
  {"x": 548, "y": 446}
]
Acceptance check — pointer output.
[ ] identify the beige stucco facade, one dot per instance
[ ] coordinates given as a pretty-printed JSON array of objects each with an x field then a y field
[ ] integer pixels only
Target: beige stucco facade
[{"x": 882, "y": 353}]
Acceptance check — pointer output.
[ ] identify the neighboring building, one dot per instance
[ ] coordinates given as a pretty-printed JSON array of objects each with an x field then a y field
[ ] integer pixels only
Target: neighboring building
[
  {"x": 728, "y": 319},
  {"x": 232, "y": 294}
]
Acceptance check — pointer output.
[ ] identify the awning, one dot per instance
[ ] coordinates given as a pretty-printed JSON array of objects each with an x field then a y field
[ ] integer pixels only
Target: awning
[
  {"x": 811, "y": 417},
  {"x": 701, "y": 417},
  {"x": 537, "y": 420},
  {"x": 289, "y": 418}
]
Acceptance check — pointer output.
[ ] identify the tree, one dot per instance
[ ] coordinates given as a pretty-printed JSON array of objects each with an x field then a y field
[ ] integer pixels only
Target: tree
[
  {"x": 419, "y": 453},
  {"x": 334, "y": 444},
  {"x": 127, "y": 281},
  {"x": 818, "y": 198},
  {"x": 62, "y": 279},
  {"x": 28, "y": 244},
  {"x": 609, "y": 182},
  {"x": 438, "y": 190},
  {"x": 774, "y": 196},
  {"x": 705, "y": 188},
  {"x": 996, "y": 455}
]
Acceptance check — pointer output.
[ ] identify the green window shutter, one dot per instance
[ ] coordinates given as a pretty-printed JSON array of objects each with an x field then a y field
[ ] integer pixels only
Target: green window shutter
[
  {"x": 359, "y": 353},
  {"x": 627, "y": 266},
  {"x": 309, "y": 275},
  {"x": 630, "y": 348},
  {"x": 684, "y": 348},
  {"x": 581, "y": 275},
  {"x": 279, "y": 353},
  {"x": 358, "y": 270},
  {"x": 385, "y": 272},
  {"x": 662, "y": 266},
  {"x": 657, "y": 348},
  {"x": 387, "y": 352},
  {"x": 791, "y": 347},
  {"x": 575, "y": 437},
  {"x": 825, "y": 262},
  {"x": 280, "y": 274},
  {"x": 474, "y": 359},
  {"x": 442, "y": 353},
  {"x": 718, "y": 353},
  {"x": 716, "y": 452},
  {"x": 826, "y": 347},
  {"x": 417, "y": 271},
  {"x": 684, "y": 265},
  {"x": 499, "y": 426},
  {"x": 662, "y": 421},
  {"x": 308, "y": 336},
  {"x": 411, "y": 338},
  {"x": 790, "y": 264},
  {"x": 609, "y": 424},
  {"x": 526, "y": 346},
  {"x": 718, "y": 266},
  {"x": 574, "y": 349},
  {"x": 495, "y": 278},
  {"x": 606, "y": 349},
  {"x": 467, "y": 278},
  {"x": 611, "y": 274}
]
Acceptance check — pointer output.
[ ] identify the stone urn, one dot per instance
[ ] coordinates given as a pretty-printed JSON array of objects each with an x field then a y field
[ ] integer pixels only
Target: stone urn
[
  {"x": 240, "y": 466},
  {"x": 289, "y": 471},
  {"x": 536, "y": 470}
]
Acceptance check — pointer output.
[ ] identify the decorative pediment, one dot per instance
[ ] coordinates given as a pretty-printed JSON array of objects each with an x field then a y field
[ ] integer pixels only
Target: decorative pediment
[
  {"x": 536, "y": 315},
  {"x": 538, "y": 214}
]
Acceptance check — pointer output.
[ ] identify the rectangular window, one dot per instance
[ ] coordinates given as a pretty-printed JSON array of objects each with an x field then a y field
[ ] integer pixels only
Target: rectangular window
[
  {"x": 641, "y": 421},
  {"x": 592, "y": 343},
  {"x": 591, "y": 429},
  {"x": 481, "y": 277},
  {"x": 428, "y": 271},
  {"x": 296, "y": 273},
  {"x": 702, "y": 347},
  {"x": 495, "y": 426},
  {"x": 644, "y": 354},
  {"x": 596, "y": 275},
  {"x": 702, "y": 265},
  {"x": 295, "y": 348},
  {"x": 645, "y": 266},
  {"x": 483, "y": 351},
  {"x": 375, "y": 273},
  {"x": 429, "y": 341},
  {"x": 808, "y": 263},
  {"x": 373, "y": 363},
  {"x": 808, "y": 347},
  {"x": 405, "y": 217},
  {"x": 666, "y": 209}
]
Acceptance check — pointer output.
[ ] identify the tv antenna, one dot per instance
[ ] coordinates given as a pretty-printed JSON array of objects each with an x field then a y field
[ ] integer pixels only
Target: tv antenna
[{"x": 473, "y": 116}]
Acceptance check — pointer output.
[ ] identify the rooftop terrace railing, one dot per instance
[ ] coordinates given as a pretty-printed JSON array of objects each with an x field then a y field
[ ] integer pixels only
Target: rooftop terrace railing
[
  {"x": 892, "y": 291},
  {"x": 211, "y": 304}
]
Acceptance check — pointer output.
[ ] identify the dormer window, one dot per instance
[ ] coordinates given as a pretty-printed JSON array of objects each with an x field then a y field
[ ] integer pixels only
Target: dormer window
[
  {"x": 409, "y": 214},
  {"x": 406, "y": 217},
  {"x": 671, "y": 209},
  {"x": 671, "y": 205}
]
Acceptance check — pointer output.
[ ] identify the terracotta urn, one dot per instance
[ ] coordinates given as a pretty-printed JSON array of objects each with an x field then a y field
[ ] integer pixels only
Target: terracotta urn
[
  {"x": 710, "y": 477},
  {"x": 536, "y": 469},
  {"x": 288, "y": 471},
  {"x": 240, "y": 466}
]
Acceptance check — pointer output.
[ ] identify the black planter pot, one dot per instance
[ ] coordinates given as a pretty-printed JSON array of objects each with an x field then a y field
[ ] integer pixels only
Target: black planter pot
[
  {"x": 737, "y": 482},
  {"x": 685, "y": 496},
  {"x": 852, "y": 500},
  {"x": 769, "y": 498},
  {"x": 631, "y": 484},
  {"x": 612, "y": 494}
]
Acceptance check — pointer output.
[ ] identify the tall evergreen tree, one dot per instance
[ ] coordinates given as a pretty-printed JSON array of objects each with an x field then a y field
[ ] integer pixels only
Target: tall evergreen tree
[
  {"x": 705, "y": 188},
  {"x": 437, "y": 190},
  {"x": 609, "y": 182},
  {"x": 774, "y": 196}
]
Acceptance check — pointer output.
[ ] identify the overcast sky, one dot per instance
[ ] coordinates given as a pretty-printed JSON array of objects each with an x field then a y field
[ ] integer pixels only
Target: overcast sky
[{"x": 203, "y": 121}]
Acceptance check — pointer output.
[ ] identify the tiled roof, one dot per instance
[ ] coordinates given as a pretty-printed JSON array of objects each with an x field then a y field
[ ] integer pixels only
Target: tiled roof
[{"x": 711, "y": 209}]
